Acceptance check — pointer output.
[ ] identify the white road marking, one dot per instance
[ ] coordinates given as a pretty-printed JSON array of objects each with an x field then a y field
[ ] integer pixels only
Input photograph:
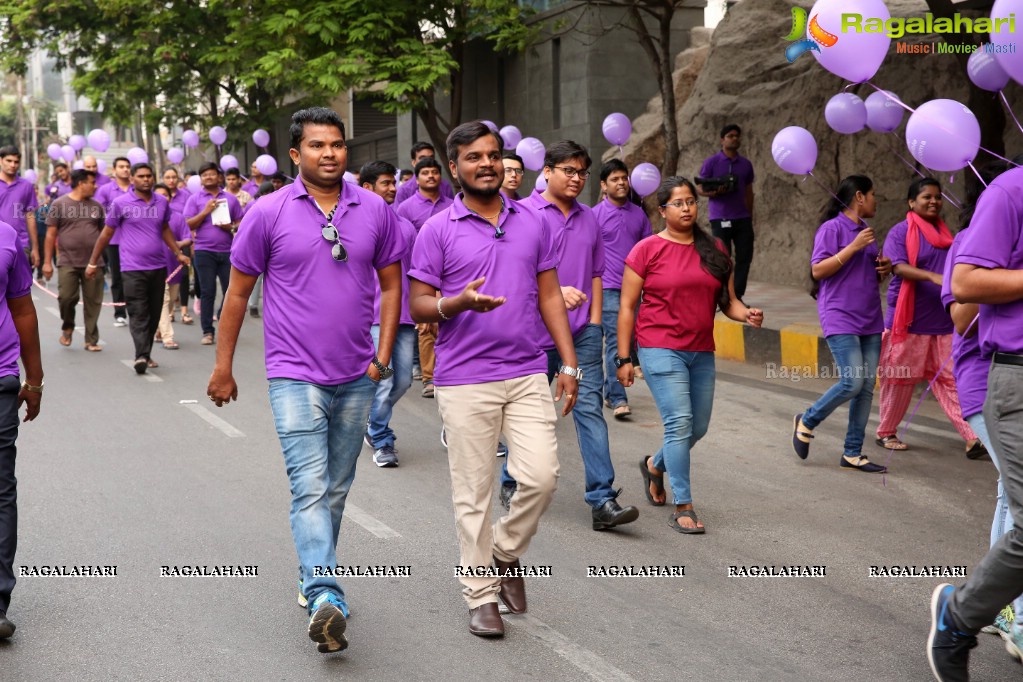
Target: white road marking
[
  {"x": 583, "y": 659},
  {"x": 53, "y": 311},
  {"x": 204, "y": 413},
  {"x": 374, "y": 526},
  {"x": 151, "y": 378}
]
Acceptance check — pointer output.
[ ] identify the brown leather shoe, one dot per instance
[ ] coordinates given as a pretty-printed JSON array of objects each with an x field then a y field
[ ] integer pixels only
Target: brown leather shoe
[
  {"x": 485, "y": 621},
  {"x": 513, "y": 588}
]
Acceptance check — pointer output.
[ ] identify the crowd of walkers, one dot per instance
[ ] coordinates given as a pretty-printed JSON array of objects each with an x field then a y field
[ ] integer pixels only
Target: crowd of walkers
[{"x": 433, "y": 281}]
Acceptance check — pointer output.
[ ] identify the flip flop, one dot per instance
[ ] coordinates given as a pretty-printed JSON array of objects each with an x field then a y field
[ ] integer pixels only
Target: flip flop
[
  {"x": 689, "y": 514},
  {"x": 648, "y": 479},
  {"x": 93, "y": 348},
  {"x": 152, "y": 363},
  {"x": 65, "y": 339},
  {"x": 171, "y": 345},
  {"x": 891, "y": 443}
]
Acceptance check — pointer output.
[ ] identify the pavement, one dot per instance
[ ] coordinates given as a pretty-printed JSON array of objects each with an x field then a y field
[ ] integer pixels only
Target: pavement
[{"x": 126, "y": 471}]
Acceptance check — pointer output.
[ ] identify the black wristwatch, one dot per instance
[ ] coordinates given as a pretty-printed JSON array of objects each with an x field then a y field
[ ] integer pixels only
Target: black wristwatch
[
  {"x": 384, "y": 370},
  {"x": 619, "y": 361}
]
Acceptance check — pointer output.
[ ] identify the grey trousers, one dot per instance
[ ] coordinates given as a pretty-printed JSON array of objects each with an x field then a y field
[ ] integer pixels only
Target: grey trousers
[{"x": 998, "y": 579}]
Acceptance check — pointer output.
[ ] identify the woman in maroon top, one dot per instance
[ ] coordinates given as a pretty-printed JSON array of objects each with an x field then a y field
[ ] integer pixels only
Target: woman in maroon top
[{"x": 684, "y": 276}]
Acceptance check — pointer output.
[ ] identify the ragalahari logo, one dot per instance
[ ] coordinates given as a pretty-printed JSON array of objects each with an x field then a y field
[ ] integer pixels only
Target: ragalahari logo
[{"x": 818, "y": 36}]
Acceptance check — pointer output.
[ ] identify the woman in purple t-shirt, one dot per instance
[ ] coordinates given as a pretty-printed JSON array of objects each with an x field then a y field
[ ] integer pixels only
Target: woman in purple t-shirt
[
  {"x": 847, "y": 264},
  {"x": 918, "y": 330}
]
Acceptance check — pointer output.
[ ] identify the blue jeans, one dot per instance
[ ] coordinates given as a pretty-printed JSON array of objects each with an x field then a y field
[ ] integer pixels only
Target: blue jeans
[
  {"x": 1003, "y": 521},
  {"x": 614, "y": 392},
  {"x": 856, "y": 358},
  {"x": 588, "y": 416},
  {"x": 390, "y": 390},
  {"x": 321, "y": 430},
  {"x": 211, "y": 266},
  {"x": 682, "y": 383}
]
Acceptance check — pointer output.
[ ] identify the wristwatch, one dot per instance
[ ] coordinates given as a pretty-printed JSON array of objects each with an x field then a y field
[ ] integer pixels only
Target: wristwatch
[
  {"x": 384, "y": 370},
  {"x": 577, "y": 374},
  {"x": 619, "y": 361}
]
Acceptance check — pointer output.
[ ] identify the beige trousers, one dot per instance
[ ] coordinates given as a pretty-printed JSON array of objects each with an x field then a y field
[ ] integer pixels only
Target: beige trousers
[
  {"x": 474, "y": 416},
  {"x": 170, "y": 303}
]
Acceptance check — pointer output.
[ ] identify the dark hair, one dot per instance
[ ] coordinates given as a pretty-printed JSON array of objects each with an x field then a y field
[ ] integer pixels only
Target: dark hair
[
  {"x": 714, "y": 261},
  {"x": 612, "y": 166},
  {"x": 420, "y": 146},
  {"x": 81, "y": 175},
  {"x": 139, "y": 166},
  {"x": 265, "y": 187},
  {"x": 988, "y": 172},
  {"x": 729, "y": 128},
  {"x": 209, "y": 165},
  {"x": 405, "y": 172},
  {"x": 315, "y": 116},
  {"x": 512, "y": 156},
  {"x": 9, "y": 150},
  {"x": 467, "y": 133},
  {"x": 279, "y": 175},
  {"x": 372, "y": 171},
  {"x": 563, "y": 150},
  {"x": 162, "y": 186},
  {"x": 59, "y": 164},
  {"x": 171, "y": 168},
  {"x": 232, "y": 171},
  {"x": 917, "y": 186},
  {"x": 847, "y": 190},
  {"x": 121, "y": 158},
  {"x": 427, "y": 162}
]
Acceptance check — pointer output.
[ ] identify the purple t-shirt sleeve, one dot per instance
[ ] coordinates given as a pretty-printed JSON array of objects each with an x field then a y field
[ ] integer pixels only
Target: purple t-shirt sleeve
[
  {"x": 705, "y": 169},
  {"x": 391, "y": 245},
  {"x": 825, "y": 245},
  {"x": 114, "y": 216},
  {"x": 234, "y": 208},
  {"x": 995, "y": 234},
  {"x": 548, "y": 249},
  {"x": 895, "y": 244},
  {"x": 428, "y": 256},
  {"x": 599, "y": 255},
  {"x": 250, "y": 250},
  {"x": 19, "y": 280},
  {"x": 191, "y": 210},
  {"x": 947, "y": 299},
  {"x": 33, "y": 201}
]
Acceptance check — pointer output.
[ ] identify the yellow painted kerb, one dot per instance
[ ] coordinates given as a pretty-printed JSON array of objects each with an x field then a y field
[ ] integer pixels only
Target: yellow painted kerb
[
  {"x": 799, "y": 345},
  {"x": 728, "y": 340}
]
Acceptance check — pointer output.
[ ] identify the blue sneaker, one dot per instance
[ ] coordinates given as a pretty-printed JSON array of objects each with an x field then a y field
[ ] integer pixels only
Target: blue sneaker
[
  {"x": 1003, "y": 623},
  {"x": 327, "y": 623},
  {"x": 1014, "y": 642},
  {"x": 385, "y": 457},
  {"x": 302, "y": 601},
  {"x": 948, "y": 650}
]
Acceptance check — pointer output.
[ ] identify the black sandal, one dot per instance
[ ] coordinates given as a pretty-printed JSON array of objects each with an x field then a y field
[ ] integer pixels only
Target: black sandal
[
  {"x": 689, "y": 514},
  {"x": 648, "y": 479}
]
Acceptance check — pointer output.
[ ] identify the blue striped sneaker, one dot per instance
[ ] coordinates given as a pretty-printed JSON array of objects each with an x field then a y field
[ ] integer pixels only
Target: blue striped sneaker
[
  {"x": 1003, "y": 621},
  {"x": 1014, "y": 642},
  {"x": 327, "y": 623}
]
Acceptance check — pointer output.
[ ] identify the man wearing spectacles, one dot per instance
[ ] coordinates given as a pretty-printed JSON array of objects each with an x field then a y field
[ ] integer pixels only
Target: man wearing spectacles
[
  {"x": 320, "y": 243},
  {"x": 421, "y": 150},
  {"x": 486, "y": 377},
  {"x": 731, "y": 202},
  {"x": 513, "y": 172},
  {"x": 581, "y": 257}
]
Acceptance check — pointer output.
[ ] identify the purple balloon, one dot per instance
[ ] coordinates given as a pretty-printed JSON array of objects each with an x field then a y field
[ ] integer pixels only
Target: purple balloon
[
  {"x": 190, "y": 138},
  {"x": 541, "y": 183},
  {"x": 985, "y": 72},
  {"x": 490, "y": 124},
  {"x": 101, "y": 166},
  {"x": 853, "y": 56},
  {"x": 78, "y": 165},
  {"x": 175, "y": 154},
  {"x": 266, "y": 164},
  {"x": 54, "y": 151},
  {"x": 218, "y": 135},
  {"x": 846, "y": 113},
  {"x": 943, "y": 135},
  {"x": 228, "y": 161},
  {"x": 794, "y": 150},
  {"x": 99, "y": 139},
  {"x": 617, "y": 129},
  {"x": 137, "y": 155},
  {"x": 511, "y": 136},
  {"x": 30, "y": 175},
  {"x": 260, "y": 138},
  {"x": 349, "y": 177},
  {"x": 1005, "y": 41},
  {"x": 532, "y": 152},
  {"x": 67, "y": 152},
  {"x": 194, "y": 184},
  {"x": 77, "y": 142},
  {"x": 884, "y": 113},
  {"x": 645, "y": 179}
]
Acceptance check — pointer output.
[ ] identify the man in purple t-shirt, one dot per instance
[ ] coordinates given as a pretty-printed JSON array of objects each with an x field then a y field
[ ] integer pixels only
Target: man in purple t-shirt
[
  {"x": 143, "y": 220},
  {"x": 18, "y": 202},
  {"x": 320, "y": 243},
  {"x": 580, "y": 250},
  {"x": 989, "y": 270},
  {"x": 487, "y": 378},
  {"x": 727, "y": 178},
  {"x": 19, "y": 338},
  {"x": 421, "y": 150},
  {"x": 622, "y": 224},
  {"x": 105, "y": 195},
  {"x": 90, "y": 164}
]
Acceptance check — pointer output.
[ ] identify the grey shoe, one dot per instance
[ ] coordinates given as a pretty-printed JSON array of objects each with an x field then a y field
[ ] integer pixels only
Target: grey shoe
[
  {"x": 506, "y": 494},
  {"x": 385, "y": 457}
]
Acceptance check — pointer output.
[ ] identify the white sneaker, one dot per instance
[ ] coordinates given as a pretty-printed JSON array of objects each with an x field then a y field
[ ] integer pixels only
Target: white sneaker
[{"x": 120, "y": 322}]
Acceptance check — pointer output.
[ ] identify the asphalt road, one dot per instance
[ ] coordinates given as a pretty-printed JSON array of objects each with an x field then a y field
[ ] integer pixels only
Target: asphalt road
[{"x": 118, "y": 471}]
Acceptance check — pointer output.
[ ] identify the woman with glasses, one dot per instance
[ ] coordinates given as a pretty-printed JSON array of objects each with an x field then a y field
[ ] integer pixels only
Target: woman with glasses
[
  {"x": 684, "y": 277},
  {"x": 848, "y": 265}
]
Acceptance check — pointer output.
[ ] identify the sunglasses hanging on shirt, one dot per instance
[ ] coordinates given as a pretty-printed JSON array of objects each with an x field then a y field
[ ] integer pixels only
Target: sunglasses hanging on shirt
[{"x": 330, "y": 233}]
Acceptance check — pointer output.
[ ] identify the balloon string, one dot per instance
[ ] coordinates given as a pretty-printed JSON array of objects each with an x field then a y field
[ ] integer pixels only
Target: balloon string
[
  {"x": 1002, "y": 93},
  {"x": 621, "y": 152},
  {"x": 974, "y": 169},
  {"x": 833, "y": 195},
  {"x": 951, "y": 198}
]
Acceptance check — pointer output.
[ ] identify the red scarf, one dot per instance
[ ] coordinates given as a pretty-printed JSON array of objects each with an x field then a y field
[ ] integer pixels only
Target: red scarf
[{"x": 942, "y": 239}]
